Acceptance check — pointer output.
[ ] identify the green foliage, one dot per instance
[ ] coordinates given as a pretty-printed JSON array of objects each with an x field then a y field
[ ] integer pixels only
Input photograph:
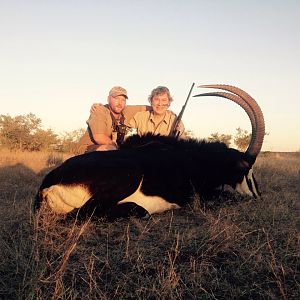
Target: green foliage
[
  {"x": 69, "y": 140},
  {"x": 43, "y": 140},
  {"x": 25, "y": 133},
  {"x": 242, "y": 139},
  {"x": 189, "y": 133},
  {"x": 224, "y": 138}
]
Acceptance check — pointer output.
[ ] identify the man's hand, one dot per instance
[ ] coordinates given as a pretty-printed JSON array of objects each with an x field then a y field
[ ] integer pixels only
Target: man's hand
[
  {"x": 94, "y": 107},
  {"x": 102, "y": 139}
]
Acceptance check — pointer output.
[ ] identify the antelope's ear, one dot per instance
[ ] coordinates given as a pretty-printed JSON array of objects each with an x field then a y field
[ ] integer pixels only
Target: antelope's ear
[
  {"x": 249, "y": 158},
  {"x": 243, "y": 165}
]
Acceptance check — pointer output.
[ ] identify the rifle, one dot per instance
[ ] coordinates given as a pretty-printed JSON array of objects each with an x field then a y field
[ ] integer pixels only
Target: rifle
[{"x": 174, "y": 132}]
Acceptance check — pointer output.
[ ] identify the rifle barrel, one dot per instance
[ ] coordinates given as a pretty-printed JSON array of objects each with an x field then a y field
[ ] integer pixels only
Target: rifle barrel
[{"x": 174, "y": 131}]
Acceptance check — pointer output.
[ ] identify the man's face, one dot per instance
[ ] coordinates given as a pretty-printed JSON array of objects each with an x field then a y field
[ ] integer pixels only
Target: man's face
[
  {"x": 160, "y": 104},
  {"x": 117, "y": 104}
]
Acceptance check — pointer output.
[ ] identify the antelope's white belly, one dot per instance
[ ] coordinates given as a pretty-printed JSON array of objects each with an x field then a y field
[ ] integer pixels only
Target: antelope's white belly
[
  {"x": 63, "y": 199},
  {"x": 153, "y": 204}
]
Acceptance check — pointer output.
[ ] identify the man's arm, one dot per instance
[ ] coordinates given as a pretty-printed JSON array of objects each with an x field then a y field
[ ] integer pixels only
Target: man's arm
[
  {"x": 102, "y": 139},
  {"x": 100, "y": 126},
  {"x": 136, "y": 107}
]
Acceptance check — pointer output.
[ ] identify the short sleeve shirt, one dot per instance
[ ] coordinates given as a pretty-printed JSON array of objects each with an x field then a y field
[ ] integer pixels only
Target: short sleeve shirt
[{"x": 100, "y": 122}]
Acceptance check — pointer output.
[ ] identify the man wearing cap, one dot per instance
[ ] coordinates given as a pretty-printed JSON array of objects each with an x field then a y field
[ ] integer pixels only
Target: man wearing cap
[{"x": 108, "y": 123}]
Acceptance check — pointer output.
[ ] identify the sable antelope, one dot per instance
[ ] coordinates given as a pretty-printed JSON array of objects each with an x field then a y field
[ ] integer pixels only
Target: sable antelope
[{"x": 152, "y": 174}]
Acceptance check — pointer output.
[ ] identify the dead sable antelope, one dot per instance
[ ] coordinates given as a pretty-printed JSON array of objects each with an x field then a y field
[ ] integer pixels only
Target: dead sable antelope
[{"x": 152, "y": 174}]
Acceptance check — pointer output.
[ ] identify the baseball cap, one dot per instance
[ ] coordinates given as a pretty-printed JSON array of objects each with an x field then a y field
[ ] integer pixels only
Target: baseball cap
[{"x": 118, "y": 91}]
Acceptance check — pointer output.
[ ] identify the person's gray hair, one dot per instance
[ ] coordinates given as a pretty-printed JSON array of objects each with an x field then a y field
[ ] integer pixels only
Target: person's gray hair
[{"x": 158, "y": 91}]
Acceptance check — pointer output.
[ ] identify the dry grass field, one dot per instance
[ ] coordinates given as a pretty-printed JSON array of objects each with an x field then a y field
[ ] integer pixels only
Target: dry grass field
[{"x": 228, "y": 248}]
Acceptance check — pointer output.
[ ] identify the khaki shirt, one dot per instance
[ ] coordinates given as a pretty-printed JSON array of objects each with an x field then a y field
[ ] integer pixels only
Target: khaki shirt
[
  {"x": 100, "y": 122},
  {"x": 144, "y": 122}
]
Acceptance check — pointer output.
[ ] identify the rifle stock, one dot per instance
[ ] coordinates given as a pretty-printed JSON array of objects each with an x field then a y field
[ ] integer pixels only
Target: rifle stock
[{"x": 174, "y": 131}]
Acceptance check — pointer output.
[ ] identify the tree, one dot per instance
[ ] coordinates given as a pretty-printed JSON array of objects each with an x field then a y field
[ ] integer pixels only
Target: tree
[
  {"x": 224, "y": 138},
  {"x": 242, "y": 139},
  {"x": 189, "y": 133},
  {"x": 24, "y": 132},
  {"x": 43, "y": 140},
  {"x": 69, "y": 140}
]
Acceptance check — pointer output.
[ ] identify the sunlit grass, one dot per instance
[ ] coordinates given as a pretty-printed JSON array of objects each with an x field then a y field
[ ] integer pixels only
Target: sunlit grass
[{"x": 238, "y": 249}]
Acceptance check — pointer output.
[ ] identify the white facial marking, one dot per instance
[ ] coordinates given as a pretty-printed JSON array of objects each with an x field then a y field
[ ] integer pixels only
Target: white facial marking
[
  {"x": 243, "y": 187},
  {"x": 63, "y": 199},
  {"x": 153, "y": 204}
]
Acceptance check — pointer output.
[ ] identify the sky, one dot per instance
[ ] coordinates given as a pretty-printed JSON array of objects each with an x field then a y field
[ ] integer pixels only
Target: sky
[{"x": 59, "y": 57}]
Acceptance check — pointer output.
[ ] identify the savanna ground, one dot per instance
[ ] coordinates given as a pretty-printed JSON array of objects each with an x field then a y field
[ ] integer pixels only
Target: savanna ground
[{"x": 233, "y": 249}]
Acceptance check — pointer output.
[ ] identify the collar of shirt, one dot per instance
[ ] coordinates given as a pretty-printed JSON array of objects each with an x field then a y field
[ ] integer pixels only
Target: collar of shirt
[{"x": 151, "y": 117}]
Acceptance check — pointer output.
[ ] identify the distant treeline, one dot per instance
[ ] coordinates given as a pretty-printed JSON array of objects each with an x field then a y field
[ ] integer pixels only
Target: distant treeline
[{"x": 26, "y": 133}]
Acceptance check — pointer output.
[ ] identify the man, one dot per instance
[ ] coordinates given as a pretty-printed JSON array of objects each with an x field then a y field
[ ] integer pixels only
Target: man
[
  {"x": 108, "y": 123},
  {"x": 158, "y": 120}
]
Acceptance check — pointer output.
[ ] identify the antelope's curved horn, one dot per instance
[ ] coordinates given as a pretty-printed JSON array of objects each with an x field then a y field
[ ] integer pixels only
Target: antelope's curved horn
[{"x": 259, "y": 130}]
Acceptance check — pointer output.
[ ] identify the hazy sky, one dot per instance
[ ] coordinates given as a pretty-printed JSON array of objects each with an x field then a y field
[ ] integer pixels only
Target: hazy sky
[{"x": 60, "y": 56}]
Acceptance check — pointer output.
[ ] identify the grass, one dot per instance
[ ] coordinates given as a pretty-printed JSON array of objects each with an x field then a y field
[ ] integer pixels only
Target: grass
[{"x": 233, "y": 249}]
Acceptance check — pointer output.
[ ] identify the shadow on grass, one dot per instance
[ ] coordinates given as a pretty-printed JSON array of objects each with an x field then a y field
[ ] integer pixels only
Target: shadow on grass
[{"x": 222, "y": 248}]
